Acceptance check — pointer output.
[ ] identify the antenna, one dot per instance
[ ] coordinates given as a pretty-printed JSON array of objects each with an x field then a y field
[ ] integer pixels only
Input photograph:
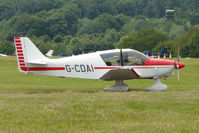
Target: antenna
[
  {"x": 121, "y": 58},
  {"x": 70, "y": 51}
]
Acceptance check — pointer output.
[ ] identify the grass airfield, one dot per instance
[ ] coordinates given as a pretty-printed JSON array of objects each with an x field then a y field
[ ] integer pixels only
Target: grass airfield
[{"x": 32, "y": 103}]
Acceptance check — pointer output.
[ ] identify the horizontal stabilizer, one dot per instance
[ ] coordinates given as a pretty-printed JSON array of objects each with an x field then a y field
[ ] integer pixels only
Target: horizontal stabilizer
[{"x": 38, "y": 62}]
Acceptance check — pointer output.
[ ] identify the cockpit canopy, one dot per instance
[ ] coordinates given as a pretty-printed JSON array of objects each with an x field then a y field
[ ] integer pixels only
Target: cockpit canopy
[{"x": 125, "y": 57}]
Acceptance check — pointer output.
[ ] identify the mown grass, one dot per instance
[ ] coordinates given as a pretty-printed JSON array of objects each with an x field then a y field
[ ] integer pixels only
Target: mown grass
[{"x": 32, "y": 103}]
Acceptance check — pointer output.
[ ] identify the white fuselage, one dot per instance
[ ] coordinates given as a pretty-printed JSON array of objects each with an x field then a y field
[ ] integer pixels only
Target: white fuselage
[{"x": 92, "y": 66}]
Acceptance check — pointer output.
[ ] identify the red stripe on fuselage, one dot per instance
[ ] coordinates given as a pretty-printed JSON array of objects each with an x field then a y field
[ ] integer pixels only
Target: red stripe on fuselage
[{"x": 42, "y": 68}]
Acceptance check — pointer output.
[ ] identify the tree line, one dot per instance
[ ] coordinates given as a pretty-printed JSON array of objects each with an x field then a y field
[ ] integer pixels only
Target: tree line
[{"x": 90, "y": 25}]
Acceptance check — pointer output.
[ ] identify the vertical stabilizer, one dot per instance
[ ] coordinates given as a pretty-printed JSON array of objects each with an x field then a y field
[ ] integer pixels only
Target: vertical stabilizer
[
  {"x": 50, "y": 53},
  {"x": 26, "y": 52}
]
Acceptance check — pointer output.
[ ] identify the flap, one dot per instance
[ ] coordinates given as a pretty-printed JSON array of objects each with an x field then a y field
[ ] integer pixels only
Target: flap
[{"x": 120, "y": 74}]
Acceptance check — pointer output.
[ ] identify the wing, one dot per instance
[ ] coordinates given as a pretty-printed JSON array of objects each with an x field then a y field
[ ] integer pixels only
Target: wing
[{"x": 121, "y": 74}]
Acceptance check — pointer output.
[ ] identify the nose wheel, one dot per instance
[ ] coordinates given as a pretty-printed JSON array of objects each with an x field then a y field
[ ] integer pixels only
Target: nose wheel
[
  {"x": 158, "y": 86},
  {"x": 118, "y": 86}
]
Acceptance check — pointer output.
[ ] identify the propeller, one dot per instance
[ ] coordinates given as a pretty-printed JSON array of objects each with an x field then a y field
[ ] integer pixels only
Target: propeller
[
  {"x": 178, "y": 64},
  {"x": 178, "y": 60}
]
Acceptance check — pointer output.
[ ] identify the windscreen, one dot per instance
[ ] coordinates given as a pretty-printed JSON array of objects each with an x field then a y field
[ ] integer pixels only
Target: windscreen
[
  {"x": 133, "y": 58},
  {"x": 129, "y": 58}
]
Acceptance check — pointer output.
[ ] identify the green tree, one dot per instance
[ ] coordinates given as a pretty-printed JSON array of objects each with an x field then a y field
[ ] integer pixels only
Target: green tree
[
  {"x": 189, "y": 43},
  {"x": 63, "y": 21},
  {"x": 145, "y": 39},
  {"x": 194, "y": 18},
  {"x": 170, "y": 45},
  {"x": 85, "y": 26},
  {"x": 6, "y": 47},
  {"x": 95, "y": 42},
  {"x": 89, "y": 8},
  {"x": 7, "y": 10},
  {"x": 126, "y": 7},
  {"x": 121, "y": 20},
  {"x": 150, "y": 10},
  {"x": 75, "y": 46},
  {"x": 105, "y": 21},
  {"x": 194, "y": 44},
  {"x": 178, "y": 15},
  {"x": 58, "y": 38},
  {"x": 27, "y": 25}
]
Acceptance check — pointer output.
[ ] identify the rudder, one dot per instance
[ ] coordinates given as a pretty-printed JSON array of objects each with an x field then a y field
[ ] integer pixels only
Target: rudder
[{"x": 26, "y": 52}]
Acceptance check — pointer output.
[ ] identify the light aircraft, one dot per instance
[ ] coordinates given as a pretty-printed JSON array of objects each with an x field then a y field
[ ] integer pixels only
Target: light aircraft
[
  {"x": 117, "y": 64},
  {"x": 151, "y": 54}
]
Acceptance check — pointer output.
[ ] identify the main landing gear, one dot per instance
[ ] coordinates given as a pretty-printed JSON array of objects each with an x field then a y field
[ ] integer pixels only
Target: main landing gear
[
  {"x": 118, "y": 86},
  {"x": 121, "y": 87}
]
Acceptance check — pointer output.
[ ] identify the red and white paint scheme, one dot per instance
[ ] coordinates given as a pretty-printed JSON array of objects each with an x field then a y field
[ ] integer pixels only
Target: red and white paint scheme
[{"x": 117, "y": 64}]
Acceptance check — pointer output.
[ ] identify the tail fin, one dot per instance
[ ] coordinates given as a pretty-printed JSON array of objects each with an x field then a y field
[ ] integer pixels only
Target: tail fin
[
  {"x": 50, "y": 53},
  {"x": 27, "y": 53}
]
